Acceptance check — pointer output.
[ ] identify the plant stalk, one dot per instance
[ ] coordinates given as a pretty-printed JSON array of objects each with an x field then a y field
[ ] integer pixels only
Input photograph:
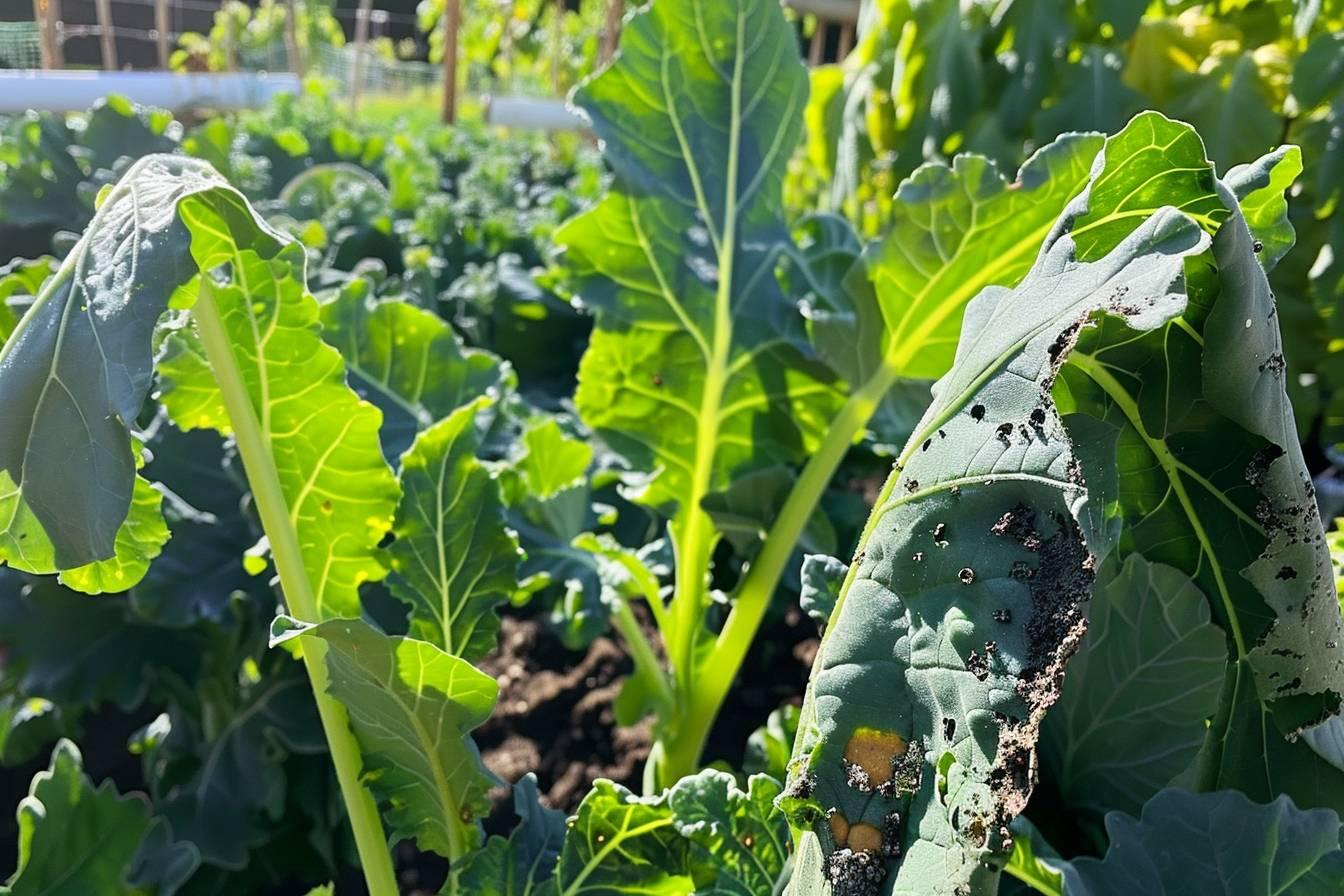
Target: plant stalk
[
  {"x": 718, "y": 668},
  {"x": 255, "y": 450}
]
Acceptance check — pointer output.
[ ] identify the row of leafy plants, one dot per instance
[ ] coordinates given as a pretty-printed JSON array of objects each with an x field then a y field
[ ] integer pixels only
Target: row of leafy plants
[{"x": 1098, "y": 564}]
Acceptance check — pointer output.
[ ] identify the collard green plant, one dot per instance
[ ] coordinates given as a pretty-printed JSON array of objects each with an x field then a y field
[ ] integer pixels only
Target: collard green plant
[
  {"x": 253, "y": 356},
  {"x": 75, "y": 838},
  {"x": 698, "y": 369},
  {"x": 1133, "y": 330}
]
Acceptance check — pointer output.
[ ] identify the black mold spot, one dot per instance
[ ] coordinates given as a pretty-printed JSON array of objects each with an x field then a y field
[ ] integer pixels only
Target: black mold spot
[
  {"x": 801, "y": 787},
  {"x": 1257, "y": 247},
  {"x": 853, "y": 873},
  {"x": 1274, "y": 364},
  {"x": 978, "y": 412},
  {"x": 927, "y": 443},
  {"x": 906, "y": 770},
  {"x": 940, "y": 535},
  {"x": 857, "y": 778},
  {"x": 891, "y": 835},
  {"x": 1004, "y": 431},
  {"x": 978, "y": 666},
  {"x": 1003, "y": 616},
  {"x": 1019, "y": 524},
  {"x": 1037, "y": 417},
  {"x": 1286, "y": 572},
  {"x": 966, "y": 575},
  {"x": 912, "y": 485},
  {"x": 949, "y": 728},
  {"x": 919, "y": 557},
  {"x": 1261, "y": 462}
]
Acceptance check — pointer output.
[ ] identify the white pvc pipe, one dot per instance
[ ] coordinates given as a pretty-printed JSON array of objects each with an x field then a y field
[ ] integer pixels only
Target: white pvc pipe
[
  {"x": 532, "y": 112},
  {"x": 67, "y": 91}
]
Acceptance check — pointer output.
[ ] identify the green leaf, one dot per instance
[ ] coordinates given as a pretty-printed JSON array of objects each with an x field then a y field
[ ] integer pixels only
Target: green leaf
[
  {"x": 323, "y": 439},
  {"x": 1033, "y": 860},
  {"x": 406, "y": 361},
  {"x": 1319, "y": 72},
  {"x": 1092, "y": 96},
  {"x": 696, "y": 370},
  {"x": 739, "y": 841},
  {"x": 620, "y": 844},
  {"x": 27, "y": 725},
  {"x": 1132, "y": 713},
  {"x": 1214, "y": 484},
  {"x": 454, "y": 561},
  {"x": 20, "y": 282},
  {"x": 1214, "y": 843},
  {"x": 223, "y": 784},
  {"x": 955, "y": 231},
  {"x": 319, "y": 189},
  {"x": 75, "y": 840},
  {"x": 412, "y": 708},
  {"x": 769, "y": 747},
  {"x": 1231, "y": 104},
  {"x": 823, "y": 577},
  {"x": 547, "y": 489},
  {"x": 746, "y": 510},
  {"x": 44, "y": 624},
  {"x": 918, "y": 736},
  {"x": 521, "y": 863},
  {"x": 550, "y": 463},
  {"x": 1262, "y": 191},
  {"x": 76, "y": 371}
]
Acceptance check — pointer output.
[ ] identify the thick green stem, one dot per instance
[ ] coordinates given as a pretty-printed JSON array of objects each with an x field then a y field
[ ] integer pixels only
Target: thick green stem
[
  {"x": 719, "y": 667},
  {"x": 264, "y": 481}
]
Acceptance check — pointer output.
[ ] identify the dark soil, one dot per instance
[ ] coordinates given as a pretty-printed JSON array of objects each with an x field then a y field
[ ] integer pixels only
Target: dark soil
[{"x": 555, "y": 718}]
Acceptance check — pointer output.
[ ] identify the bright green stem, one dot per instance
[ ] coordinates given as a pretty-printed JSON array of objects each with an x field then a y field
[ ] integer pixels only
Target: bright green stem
[
  {"x": 264, "y": 480},
  {"x": 646, "y": 661},
  {"x": 1026, "y": 869},
  {"x": 718, "y": 668}
]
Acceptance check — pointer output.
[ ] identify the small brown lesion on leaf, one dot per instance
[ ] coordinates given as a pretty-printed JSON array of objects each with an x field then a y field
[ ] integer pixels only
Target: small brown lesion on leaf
[
  {"x": 839, "y": 825},
  {"x": 873, "y": 752}
]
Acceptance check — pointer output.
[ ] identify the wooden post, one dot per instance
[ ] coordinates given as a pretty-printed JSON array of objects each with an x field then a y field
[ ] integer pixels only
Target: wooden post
[
  {"x": 161, "y": 25},
  {"x": 48, "y": 13},
  {"x": 106, "y": 36},
  {"x": 292, "y": 38},
  {"x": 846, "y": 41},
  {"x": 361, "y": 47},
  {"x": 612, "y": 38},
  {"x": 452, "y": 23},
  {"x": 818, "y": 43},
  {"x": 557, "y": 44}
]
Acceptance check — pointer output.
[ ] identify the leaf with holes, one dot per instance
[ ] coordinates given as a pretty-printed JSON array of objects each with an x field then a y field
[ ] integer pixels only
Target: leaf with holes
[{"x": 966, "y": 597}]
